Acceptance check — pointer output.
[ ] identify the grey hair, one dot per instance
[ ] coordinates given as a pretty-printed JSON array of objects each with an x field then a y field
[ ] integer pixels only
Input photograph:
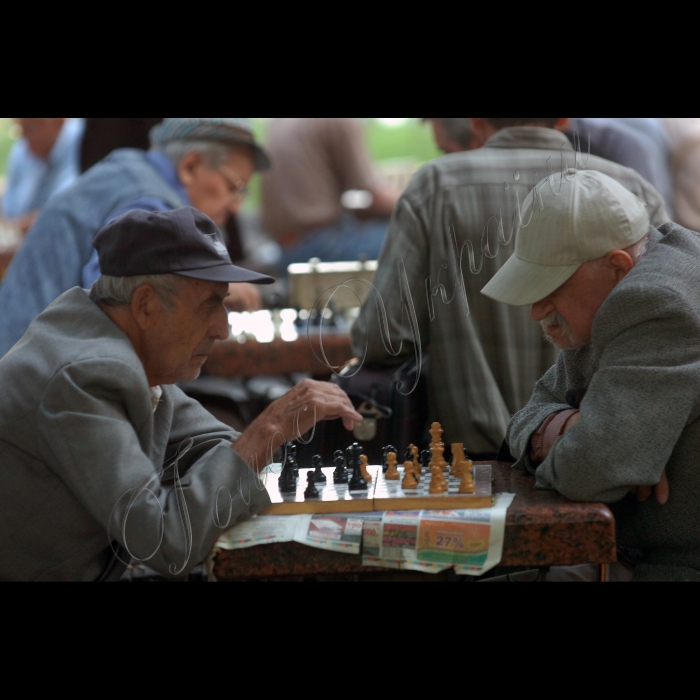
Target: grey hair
[
  {"x": 119, "y": 291},
  {"x": 638, "y": 250},
  {"x": 215, "y": 154}
]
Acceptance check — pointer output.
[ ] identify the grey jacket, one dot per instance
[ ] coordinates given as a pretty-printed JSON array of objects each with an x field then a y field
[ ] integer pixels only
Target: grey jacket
[
  {"x": 485, "y": 357},
  {"x": 82, "y": 455},
  {"x": 641, "y": 411}
]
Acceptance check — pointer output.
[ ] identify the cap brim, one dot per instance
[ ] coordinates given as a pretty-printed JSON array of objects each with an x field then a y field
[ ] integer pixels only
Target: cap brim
[
  {"x": 226, "y": 273},
  {"x": 522, "y": 283}
]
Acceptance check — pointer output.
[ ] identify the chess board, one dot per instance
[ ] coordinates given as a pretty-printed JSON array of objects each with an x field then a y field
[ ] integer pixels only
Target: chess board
[{"x": 381, "y": 495}]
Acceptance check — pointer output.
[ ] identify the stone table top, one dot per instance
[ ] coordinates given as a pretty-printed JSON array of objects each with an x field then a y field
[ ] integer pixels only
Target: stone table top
[{"x": 542, "y": 529}]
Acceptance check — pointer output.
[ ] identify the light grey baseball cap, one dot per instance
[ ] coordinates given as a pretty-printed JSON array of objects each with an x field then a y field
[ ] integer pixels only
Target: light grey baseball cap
[{"x": 578, "y": 216}]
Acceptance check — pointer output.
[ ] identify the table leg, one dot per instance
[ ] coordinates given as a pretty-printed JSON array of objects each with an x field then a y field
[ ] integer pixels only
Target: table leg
[{"x": 603, "y": 573}]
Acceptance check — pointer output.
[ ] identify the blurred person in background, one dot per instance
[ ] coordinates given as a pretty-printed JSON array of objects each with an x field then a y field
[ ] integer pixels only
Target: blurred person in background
[
  {"x": 106, "y": 134},
  {"x": 45, "y": 160},
  {"x": 201, "y": 162},
  {"x": 322, "y": 199},
  {"x": 636, "y": 143},
  {"x": 453, "y": 135},
  {"x": 684, "y": 142},
  {"x": 501, "y": 353}
]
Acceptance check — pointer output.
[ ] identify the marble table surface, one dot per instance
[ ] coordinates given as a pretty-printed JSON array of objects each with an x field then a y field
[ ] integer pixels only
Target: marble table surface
[{"x": 542, "y": 529}]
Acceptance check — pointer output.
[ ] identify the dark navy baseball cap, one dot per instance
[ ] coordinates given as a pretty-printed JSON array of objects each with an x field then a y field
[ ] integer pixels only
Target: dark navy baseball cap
[{"x": 181, "y": 242}]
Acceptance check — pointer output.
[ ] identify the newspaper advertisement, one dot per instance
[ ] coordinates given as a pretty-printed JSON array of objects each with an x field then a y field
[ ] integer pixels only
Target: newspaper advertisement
[{"x": 471, "y": 541}]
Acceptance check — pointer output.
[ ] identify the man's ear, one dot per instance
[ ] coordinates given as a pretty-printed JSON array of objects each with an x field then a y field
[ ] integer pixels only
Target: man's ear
[
  {"x": 620, "y": 263},
  {"x": 483, "y": 130},
  {"x": 188, "y": 166},
  {"x": 144, "y": 304}
]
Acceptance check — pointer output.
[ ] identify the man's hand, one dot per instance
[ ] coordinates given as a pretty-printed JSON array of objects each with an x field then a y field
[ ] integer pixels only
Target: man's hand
[
  {"x": 291, "y": 417},
  {"x": 661, "y": 490},
  {"x": 575, "y": 418}
]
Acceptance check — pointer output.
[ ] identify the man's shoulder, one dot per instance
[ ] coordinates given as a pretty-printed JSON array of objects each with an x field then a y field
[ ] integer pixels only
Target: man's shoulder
[
  {"x": 665, "y": 284},
  {"x": 70, "y": 331}
]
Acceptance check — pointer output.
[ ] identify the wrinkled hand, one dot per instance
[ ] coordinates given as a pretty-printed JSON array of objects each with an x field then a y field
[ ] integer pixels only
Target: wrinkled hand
[
  {"x": 243, "y": 297},
  {"x": 291, "y": 417},
  {"x": 661, "y": 490}
]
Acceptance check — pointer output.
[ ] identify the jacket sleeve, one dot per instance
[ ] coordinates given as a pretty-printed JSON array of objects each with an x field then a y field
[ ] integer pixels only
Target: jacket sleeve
[
  {"x": 94, "y": 428},
  {"x": 402, "y": 269},
  {"x": 645, "y": 391},
  {"x": 548, "y": 397}
]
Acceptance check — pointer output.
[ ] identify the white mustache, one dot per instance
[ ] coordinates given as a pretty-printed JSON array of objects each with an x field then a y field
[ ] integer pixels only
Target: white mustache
[{"x": 554, "y": 319}]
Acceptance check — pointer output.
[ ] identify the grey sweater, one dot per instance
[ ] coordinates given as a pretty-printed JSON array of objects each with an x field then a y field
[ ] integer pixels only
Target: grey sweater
[
  {"x": 641, "y": 411},
  {"x": 82, "y": 455}
]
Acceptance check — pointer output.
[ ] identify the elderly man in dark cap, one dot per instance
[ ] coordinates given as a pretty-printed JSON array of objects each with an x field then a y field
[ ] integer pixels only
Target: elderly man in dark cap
[
  {"x": 103, "y": 459},
  {"x": 204, "y": 162}
]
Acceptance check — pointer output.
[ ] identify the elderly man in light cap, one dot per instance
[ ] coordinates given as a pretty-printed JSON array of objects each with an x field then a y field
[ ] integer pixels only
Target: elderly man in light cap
[
  {"x": 619, "y": 414},
  {"x": 102, "y": 459},
  {"x": 204, "y": 162}
]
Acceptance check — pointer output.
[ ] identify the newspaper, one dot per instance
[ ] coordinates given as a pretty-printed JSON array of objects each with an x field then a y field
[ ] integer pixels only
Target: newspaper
[
  {"x": 342, "y": 532},
  {"x": 471, "y": 541}
]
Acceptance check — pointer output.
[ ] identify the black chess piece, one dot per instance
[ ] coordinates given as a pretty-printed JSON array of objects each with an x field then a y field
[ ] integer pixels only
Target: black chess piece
[
  {"x": 357, "y": 482},
  {"x": 385, "y": 451},
  {"x": 340, "y": 475},
  {"x": 408, "y": 457},
  {"x": 292, "y": 454},
  {"x": 425, "y": 457},
  {"x": 319, "y": 476},
  {"x": 311, "y": 490},
  {"x": 287, "y": 481}
]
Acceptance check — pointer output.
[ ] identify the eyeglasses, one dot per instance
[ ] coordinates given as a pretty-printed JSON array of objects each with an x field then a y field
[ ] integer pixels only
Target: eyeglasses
[{"x": 237, "y": 188}]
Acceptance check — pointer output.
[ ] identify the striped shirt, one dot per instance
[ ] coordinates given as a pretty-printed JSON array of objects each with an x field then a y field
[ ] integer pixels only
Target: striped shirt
[{"x": 451, "y": 232}]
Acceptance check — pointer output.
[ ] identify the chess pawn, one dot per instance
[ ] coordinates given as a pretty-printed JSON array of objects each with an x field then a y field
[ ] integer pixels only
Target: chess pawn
[
  {"x": 364, "y": 463},
  {"x": 292, "y": 457},
  {"x": 340, "y": 475},
  {"x": 437, "y": 483},
  {"x": 409, "y": 479},
  {"x": 319, "y": 476},
  {"x": 311, "y": 490},
  {"x": 467, "y": 484},
  {"x": 392, "y": 473},
  {"x": 287, "y": 482}
]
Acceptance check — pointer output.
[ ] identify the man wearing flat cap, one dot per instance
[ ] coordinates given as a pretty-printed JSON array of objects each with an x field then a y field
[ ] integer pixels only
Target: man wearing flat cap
[
  {"x": 102, "y": 459},
  {"x": 204, "y": 162},
  {"x": 619, "y": 414}
]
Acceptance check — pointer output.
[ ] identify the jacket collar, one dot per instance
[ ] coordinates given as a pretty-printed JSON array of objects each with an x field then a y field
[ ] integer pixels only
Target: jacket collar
[{"x": 530, "y": 137}]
